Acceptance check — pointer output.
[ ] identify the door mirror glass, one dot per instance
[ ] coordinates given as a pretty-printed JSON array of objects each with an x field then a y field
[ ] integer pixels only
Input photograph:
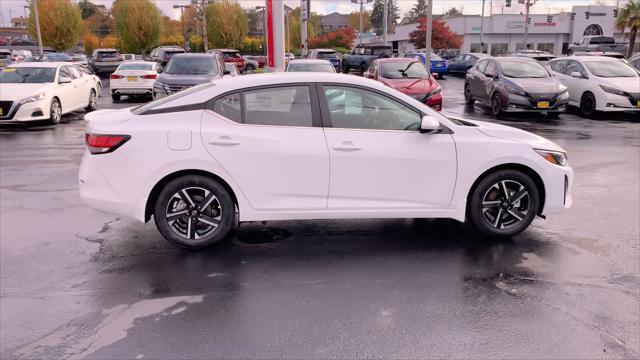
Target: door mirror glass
[
  {"x": 64, "y": 79},
  {"x": 160, "y": 69},
  {"x": 576, "y": 74},
  {"x": 429, "y": 123}
]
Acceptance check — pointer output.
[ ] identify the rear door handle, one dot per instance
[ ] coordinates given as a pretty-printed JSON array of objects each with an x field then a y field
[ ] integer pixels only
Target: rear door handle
[
  {"x": 224, "y": 141},
  {"x": 347, "y": 146}
]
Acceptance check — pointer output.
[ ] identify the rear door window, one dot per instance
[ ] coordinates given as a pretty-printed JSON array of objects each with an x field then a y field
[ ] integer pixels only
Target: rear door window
[{"x": 281, "y": 106}]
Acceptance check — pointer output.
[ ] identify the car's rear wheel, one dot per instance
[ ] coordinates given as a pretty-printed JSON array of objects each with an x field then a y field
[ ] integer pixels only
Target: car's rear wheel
[
  {"x": 468, "y": 98},
  {"x": 496, "y": 105},
  {"x": 193, "y": 212},
  {"x": 249, "y": 67},
  {"x": 55, "y": 112},
  {"x": 588, "y": 104},
  {"x": 345, "y": 68},
  {"x": 115, "y": 97},
  {"x": 93, "y": 101},
  {"x": 504, "y": 203}
]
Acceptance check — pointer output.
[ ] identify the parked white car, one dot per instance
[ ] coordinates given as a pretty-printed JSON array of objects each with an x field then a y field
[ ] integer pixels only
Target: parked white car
[
  {"x": 302, "y": 146},
  {"x": 45, "y": 91},
  {"x": 310, "y": 65},
  {"x": 599, "y": 83},
  {"x": 250, "y": 64},
  {"x": 133, "y": 78},
  {"x": 128, "y": 57}
]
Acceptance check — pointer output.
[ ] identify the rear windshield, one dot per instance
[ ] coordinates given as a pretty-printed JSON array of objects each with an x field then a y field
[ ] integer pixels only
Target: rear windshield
[
  {"x": 135, "y": 67},
  {"x": 231, "y": 54},
  {"x": 27, "y": 75},
  {"x": 200, "y": 65},
  {"x": 609, "y": 69},
  {"x": 523, "y": 69},
  {"x": 602, "y": 40},
  {"x": 302, "y": 67},
  {"x": 327, "y": 55},
  {"x": 59, "y": 57},
  {"x": 108, "y": 54},
  {"x": 154, "y": 104}
]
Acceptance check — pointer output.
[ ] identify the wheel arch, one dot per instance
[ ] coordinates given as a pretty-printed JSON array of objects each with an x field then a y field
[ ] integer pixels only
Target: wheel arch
[
  {"x": 157, "y": 188},
  {"x": 513, "y": 166}
]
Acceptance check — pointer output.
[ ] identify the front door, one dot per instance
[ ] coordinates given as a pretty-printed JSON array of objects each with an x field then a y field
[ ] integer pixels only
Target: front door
[
  {"x": 271, "y": 143},
  {"x": 379, "y": 159}
]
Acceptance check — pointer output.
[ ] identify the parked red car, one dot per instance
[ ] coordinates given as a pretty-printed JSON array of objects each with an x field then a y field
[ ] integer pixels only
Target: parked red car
[
  {"x": 231, "y": 56},
  {"x": 408, "y": 76}
]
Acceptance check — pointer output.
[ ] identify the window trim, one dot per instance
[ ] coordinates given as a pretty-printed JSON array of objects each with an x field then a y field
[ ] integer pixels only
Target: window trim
[
  {"x": 313, "y": 98},
  {"x": 326, "y": 116}
]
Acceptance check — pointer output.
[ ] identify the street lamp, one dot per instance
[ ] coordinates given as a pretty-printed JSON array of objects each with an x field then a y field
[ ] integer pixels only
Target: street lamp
[
  {"x": 264, "y": 25},
  {"x": 184, "y": 34},
  {"x": 35, "y": 13}
]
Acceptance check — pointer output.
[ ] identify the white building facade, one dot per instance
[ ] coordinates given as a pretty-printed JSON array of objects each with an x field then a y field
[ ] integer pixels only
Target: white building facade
[{"x": 504, "y": 33}]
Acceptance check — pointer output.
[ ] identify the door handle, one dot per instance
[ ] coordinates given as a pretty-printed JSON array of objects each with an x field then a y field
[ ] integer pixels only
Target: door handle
[
  {"x": 347, "y": 146},
  {"x": 224, "y": 141}
]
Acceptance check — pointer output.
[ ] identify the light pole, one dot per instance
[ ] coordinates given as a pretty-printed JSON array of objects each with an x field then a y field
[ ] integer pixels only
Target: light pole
[
  {"x": 427, "y": 51},
  {"x": 482, "y": 29},
  {"x": 184, "y": 34},
  {"x": 526, "y": 23},
  {"x": 205, "y": 35},
  {"x": 264, "y": 28},
  {"x": 34, "y": 3},
  {"x": 385, "y": 21}
]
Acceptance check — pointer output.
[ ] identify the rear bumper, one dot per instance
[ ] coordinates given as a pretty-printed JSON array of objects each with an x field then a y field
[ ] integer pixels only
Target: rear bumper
[{"x": 105, "y": 66}]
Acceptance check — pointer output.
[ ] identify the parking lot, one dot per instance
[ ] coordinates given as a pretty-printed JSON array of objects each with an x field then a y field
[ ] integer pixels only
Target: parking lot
[{"x": 83, "y": 284}]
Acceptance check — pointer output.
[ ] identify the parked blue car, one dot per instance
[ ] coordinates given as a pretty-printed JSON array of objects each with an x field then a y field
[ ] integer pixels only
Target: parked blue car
[{"x": 438, "y": 65}]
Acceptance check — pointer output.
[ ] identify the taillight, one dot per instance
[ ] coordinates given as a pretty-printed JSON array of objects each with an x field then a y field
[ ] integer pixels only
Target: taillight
[
  {"x": 115, "y": 76},
  {"x": 102, "y": 144},
  {"x": 150, "y": 76}
]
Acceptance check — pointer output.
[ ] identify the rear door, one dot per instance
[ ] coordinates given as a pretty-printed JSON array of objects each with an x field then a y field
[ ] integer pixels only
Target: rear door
[{"x": 271, "y": 142}]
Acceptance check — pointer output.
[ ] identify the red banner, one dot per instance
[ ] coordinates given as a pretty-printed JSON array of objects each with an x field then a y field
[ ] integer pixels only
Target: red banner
[{"x": 270, "y": 60}]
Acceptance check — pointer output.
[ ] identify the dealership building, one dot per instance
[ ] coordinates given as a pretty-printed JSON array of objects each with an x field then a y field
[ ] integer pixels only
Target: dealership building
[{"x": 504, "y": 33}]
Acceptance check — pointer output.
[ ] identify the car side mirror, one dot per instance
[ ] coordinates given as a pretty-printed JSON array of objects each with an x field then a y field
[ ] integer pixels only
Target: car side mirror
[
  {"x": 160, "y": 69},
  {"x": 428, "y": 124},
  {"x": 576, "y": 74},
  {"x": 64, "y": 80}
]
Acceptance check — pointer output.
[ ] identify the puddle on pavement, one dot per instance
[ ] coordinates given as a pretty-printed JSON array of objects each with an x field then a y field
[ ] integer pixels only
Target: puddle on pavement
[{"x": 260, "y": 236}]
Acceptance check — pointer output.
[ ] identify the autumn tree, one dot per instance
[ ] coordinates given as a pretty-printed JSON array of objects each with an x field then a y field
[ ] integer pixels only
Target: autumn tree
[
  {"x": 342, "y": 38},
  {"x": 139, "y": 25},
  {"x": 354, "y": 21},
  {"x": 441, "y": 38},
  {"x": 87, "y": 8},
  {"x": 61, "y": 23},
  {"x": 314, "y": 28},
  {"x": 377, "y": 15},
  {"x": 101, "y": 23},
  {"x": 89, "y": 42},
  {"x": 227, "y": 24}
]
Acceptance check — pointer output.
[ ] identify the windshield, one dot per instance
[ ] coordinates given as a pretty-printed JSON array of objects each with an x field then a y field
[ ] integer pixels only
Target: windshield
[
  {"x": 404, "y": 70},
  {"x": 231, "y": 54},
  {"x": 5, "y": 56},
  {"x": 327, "y": 55},
  {"x": 192, "y": 65},
  {"x": 523, "y": 69},
  {"x": 435, "y": 57},
  {"x": 27, "y": 75},
  {"x": 58, "y": 57},
  {"x": 108, "y": 54},
  {"x": 293, "y": 67},
  {"x": 79, "y": 57},
  {"x": 135, "y": 67},
  {"x": 609, "y": 69}
]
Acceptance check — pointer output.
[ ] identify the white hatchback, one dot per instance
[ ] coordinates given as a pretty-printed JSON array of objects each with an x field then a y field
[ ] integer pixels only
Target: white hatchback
[
  {"x": 599, "y": 83},
  {"x": 133, "y": 78},
  {"x": 305, "y": 146}
]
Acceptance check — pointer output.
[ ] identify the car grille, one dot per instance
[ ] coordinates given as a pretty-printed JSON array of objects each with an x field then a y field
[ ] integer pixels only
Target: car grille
[
  {"x": 550, "y": 97},
  {"x": 5, "y": 106},
  {"x": 176, "y": 88}
]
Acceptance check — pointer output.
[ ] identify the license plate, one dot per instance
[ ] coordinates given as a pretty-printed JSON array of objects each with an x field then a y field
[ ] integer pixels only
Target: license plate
[
  {"x": 1, "y": 112},
  {"x": 638, "y": 103},
  {"x": 438, "y": 65},
  {"x": 543, "y": 104},
  {"x": 132, "y": 78}
]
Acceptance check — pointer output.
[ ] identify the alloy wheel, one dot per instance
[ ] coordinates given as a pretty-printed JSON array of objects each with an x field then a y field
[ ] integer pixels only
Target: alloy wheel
[
  {"x": 193, "y": 213},
  {"x": 92, "y": 101},
  {"x": 496, "y": 105},
  {"x": 56, "y": 112},
  {"x": 505, "y": 204}
]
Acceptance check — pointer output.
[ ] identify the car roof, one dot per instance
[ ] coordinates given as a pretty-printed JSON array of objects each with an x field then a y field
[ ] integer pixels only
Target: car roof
[
  {"x": 594, "y": 58},
  {"x": 138, "y": 62},
  {"x": 398, "y": 59},
  {"x": 309, "y": 61},
  {"x": 331, "y": 50},
  {"x": 45, "y": 64},
  {"x": 513, "y": 58},
  {"x": 105, "y": 49},
  {"x": 224, "y": 50},
  {"x": 207, "y": 55}
]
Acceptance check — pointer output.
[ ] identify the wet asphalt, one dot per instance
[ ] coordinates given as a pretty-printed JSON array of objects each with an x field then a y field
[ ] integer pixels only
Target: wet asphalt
[{"x": 77, "y": 283}]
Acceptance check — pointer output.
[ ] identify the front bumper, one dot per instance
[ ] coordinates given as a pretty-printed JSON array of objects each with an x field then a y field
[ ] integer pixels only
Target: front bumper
[
  {"x": 558, "y": 186},
  {"x": 33, "y": 111},
  {"x": 616, "y": 103},
  {"x": 518, "y": 103}
]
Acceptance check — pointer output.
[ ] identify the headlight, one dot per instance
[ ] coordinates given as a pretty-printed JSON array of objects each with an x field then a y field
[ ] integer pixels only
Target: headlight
[
  {"x": 564, "y": 93},
  {"x": 516, "y": 91},
  {"x": 31, "y": 99},
  {"x": 554, "y": 157},
  {"x": 419, "y": 97},
  {"x": 613, "y": 90},
  {"x": 434, "y": 92}
]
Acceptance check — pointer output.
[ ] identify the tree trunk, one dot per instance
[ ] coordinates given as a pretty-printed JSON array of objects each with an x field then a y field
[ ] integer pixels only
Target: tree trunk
[{"x": 632, "y": 41}]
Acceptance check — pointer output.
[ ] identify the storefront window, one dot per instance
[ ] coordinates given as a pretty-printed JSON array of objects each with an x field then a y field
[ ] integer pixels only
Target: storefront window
[
  {"x": 475, "y": 48},
  {"x": 548, "y": 47},
  {"x": 499, "y": 49},
  {"x": 520, "y": 46}
]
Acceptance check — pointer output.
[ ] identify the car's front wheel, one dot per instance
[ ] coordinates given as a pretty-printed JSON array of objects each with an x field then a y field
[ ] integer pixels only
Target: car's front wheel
[
  {"x": 588, "y": 104},
  {"x": 93, "y": 101},
  {"x": 496, "y": 105},
  {"x": 504, "y": 203},
  {"x": 55, "y": 112},
  {"x": 194, "y": 212},
  {"x": 468, "y": 98}
]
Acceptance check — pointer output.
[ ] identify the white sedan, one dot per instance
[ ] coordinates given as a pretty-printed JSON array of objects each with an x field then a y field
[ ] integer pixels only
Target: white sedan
[
  {"x": 599, "y": 83},
  {"x": 302, "y": 146},
  {"x": 45, "y": 91},
  {"x": 133, "y": 78}
]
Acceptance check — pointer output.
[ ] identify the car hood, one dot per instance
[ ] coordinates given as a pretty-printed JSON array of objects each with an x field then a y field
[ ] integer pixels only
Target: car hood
[
  {"x": 550, "y": 85},
  {"x": 516, "y": 135},
  {"x": 414, "y": 85},
  {"x": 628, "y": 84},
  {"x": 185, "y": 79},
  {"x": 13, "y": 92}
]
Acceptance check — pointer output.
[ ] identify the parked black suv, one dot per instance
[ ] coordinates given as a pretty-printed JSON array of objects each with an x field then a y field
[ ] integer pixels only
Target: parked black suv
[
  {"x": 163, "y": 54},
  {"x": 186, "y": 70}
]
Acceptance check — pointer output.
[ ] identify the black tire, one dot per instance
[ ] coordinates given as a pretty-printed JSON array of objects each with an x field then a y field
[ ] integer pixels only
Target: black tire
[
  {"x": 93, "y": 101},
  {"x": 363, "y": 68},
  {"x": 115, "y": 97},
  {"x": 468, "y": 98},
  {"x": 496, "y": 105},
  {"x": 588, "y": 104},
  {"x": 345, "y": 68},
  {"x": 249, "y": 67},
  {"x": 496, "y": 220},
  {"x": 182, "y": 229},
  {"x": 55, "y": 112}
]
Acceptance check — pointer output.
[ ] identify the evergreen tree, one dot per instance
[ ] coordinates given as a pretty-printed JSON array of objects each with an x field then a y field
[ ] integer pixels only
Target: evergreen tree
[
  {"x": 377, "y": 15},
  {"x": 420, "y": 9}
]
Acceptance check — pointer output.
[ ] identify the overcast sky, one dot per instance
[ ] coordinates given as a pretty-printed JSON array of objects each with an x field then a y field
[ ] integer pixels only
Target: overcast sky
[{"x": 15, "y": 8}]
